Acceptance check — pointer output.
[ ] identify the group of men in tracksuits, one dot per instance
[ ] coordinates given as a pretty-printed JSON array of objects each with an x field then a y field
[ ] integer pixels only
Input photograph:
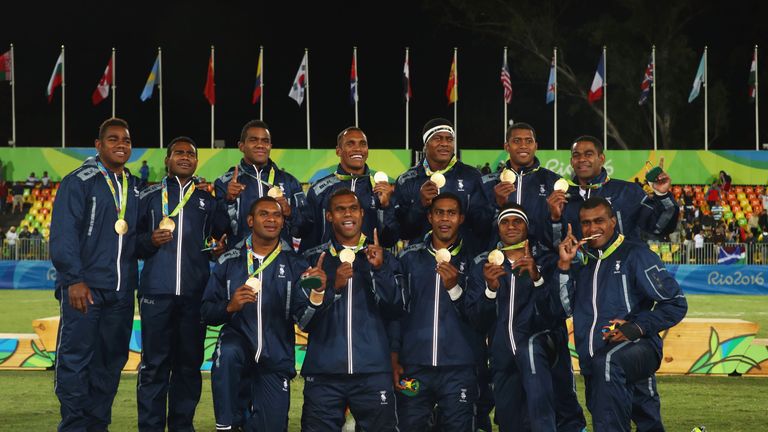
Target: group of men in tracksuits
[{"x": 471, "y": 313}]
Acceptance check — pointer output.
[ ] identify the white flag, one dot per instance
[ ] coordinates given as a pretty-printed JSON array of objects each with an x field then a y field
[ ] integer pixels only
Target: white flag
[{"x": 297, "y": 90}]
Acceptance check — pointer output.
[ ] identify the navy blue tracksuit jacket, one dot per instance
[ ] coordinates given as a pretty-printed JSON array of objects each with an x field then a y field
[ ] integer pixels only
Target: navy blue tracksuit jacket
[{"x": 256, "y": 186}]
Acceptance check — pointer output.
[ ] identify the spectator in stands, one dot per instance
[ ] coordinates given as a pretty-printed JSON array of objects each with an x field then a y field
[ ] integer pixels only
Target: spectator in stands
[
  {"x": 725, "y": 181},
  {"x": 688, "y": 210},
  {"x": 35, "y": 235},
  {"x": 24, "y": 234},
  {"x": 11, "y": 236},
  {"x": 719, "y": 236},
  {"x": 45, "y": 180},
  {"x": 500, "y": 166},
  {"x": 32, "y": 180},
  {"x": 762, "y": 220},
  {"x": 713, "y": 195},
  {"x": 674, "y": 236},
  {"x": 707, "y": 220},
  {"x": 144, "y": 174},
  {"x": 3, "y": 195},
  {"x": 717, "y": 212},
  {"x": 753, "y": 223},
  {"x": 486, "y": 169},
  {"x": 18, "y": 197}
]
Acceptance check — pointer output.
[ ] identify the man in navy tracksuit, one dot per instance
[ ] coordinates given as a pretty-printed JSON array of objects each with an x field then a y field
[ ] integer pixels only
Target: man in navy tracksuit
[
  {"x": 635, "y": 211},
  {"x": 93, "y": 237},
  {"x": 415, "y": 190},
  {"x": 252, "y": 179},
  {"x": 621, "y": 297},
  {"x": 511, "y": 299},
  {"x": 251, "y": 292},
  {"x": 176, "y": 269},
  {"x": 352, "y": 173},
  {"x": 437, "y": 345},
  {"x": 347, "y": 361},
  {"x": 532, "y": 185}
]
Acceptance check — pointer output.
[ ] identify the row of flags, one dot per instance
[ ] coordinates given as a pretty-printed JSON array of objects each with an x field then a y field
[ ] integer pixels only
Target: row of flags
[{"x": 296, "y": 92}]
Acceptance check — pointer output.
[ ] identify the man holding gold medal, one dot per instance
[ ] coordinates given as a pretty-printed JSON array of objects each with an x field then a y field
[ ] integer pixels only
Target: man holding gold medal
[
  {"x": 254, "y": 177},
  {"x": 253, "y": 292},
  {"x": 434, "y": 344},
  {"x": 93, "y": 236},
  {"x": 176, "y": 218},
  {"x": 347, "y": 361}
]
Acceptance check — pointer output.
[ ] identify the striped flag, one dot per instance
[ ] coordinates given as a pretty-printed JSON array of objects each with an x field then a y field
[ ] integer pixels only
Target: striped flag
[
  {"x": 753, "y": 78},
  {"x": 452, "y": 90},
  {"x": 506, "y": 82},
  {"x": 353, "y": 82},
  {"x": 102, "y": 89},
  {"x": 257, "y": 88},
  {"x": 56, "y": 77},
  {"x": 5, "y": 66},
  {"x": 596, "y": 89},
  {"x": 645, "y": 86},
  {"x": 149, "y": 87}
]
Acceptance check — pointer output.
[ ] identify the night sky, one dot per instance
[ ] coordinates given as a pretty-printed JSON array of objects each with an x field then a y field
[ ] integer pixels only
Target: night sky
[{"x": 186, "y": 31}]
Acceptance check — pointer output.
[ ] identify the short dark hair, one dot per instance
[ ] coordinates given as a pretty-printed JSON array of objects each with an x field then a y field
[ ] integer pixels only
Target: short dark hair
[
  {"x": 346, "y": 130},
  {"x": 179, "y": 139},
  {"x": 513, "y": 205},
  {"x": 595, "y": 202},
  {"x": 450, "y": 196},
  {"x": 114, "y": 121},
  {"x": 252, "y": 124},
  {"x": 589, "y": 138},
  {"x": 265, "y": 198},
  {"x": 340, "y": 192},
  {"x": 520, "y": 125}
]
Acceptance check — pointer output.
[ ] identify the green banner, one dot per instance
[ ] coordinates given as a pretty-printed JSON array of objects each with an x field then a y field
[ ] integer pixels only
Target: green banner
[
  {"x": 306, "y": 165},
  {"x": 684, "y": 166}
]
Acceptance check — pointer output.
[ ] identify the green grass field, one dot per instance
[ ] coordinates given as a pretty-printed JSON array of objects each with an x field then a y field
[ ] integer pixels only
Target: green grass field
[{"x": 719, "y": 403}]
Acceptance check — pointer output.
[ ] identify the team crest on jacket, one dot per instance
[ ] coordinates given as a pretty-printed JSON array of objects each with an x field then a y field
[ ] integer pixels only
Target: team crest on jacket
[
  {"x": 461, "y": 184},
  {"x": 281, "y": 271},
  {"x": 462, "y": 264},
  {"x": 617, "y": 267},
  {"x": 463, "y": 396},
  {"x": 201, "y": 203},
  {"x": 383, "y": 396},
  {"x": 542, "y": 190}
]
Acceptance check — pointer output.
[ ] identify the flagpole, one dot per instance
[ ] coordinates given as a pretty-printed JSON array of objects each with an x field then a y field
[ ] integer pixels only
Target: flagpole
[
  {"x": 456, "y": 103},
  {"x": 757, "y": 121},
  {"x": 653, "y": 84},
  {"x": 605, "y": 100},
  {"x": 63, "y": 96},
  {"x": 555, "y": 107},
  {"x": 160, "y": 89},
  {"x": 354, "y": 57},
  {"x": 114, "y": 82},
  {"x": 261, "y": 83},
  {"x": 13, "y": 99},
  {"x": 706, "y": 103},
  {"x": 213, "y": 64},
  {"x": 306, "y": 81},
  {"x": 504, "y": 101},
  {"x": 407, "y": 101}
]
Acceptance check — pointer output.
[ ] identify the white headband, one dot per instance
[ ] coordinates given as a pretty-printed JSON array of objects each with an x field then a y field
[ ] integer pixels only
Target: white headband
[
  {"x": 513, "y": 212},
  {"x": 437, "y": 129}
]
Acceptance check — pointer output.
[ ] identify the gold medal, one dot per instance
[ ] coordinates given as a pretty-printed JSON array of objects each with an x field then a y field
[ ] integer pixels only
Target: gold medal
[
  {"x": 347, "y": 256},
  {"x": 121, "y": 226},
  {"x": 167, "y": 224},
  {"x": 496, "y": 257},
  {"x": 442, "y": 255},
  {"x": 275, "y": 192},
  {"x": 381, "y": 177},
  {"x": 508, "y": 176},
  {"x": 561, "y": 185},
  {"x": 438, "y": 179},
  {"x": 254, "y": 284}
]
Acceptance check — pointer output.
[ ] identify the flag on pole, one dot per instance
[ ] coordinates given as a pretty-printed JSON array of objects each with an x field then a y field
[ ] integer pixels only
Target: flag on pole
[
  {"x": 452, "y": 91},
  {"x": 257, "y": 89},
  {"x": 596, "y": 89},
  {"x": 149, "y": 87},
  {"x": 551, "y": 84},
  {"x": 731, "y": 255},
  {"x": 506, "y": 82},
  {"x": 102, "y": 89},
  {"x": 297, "y": 89},
  {"x": 210, "y": 86},
  {"x": 353, "y": 82},
  {"x": 55, "y": 80},
  {"x": 5, "y": 66},
  {"x": 645, "y": 86},
  {"x": 753, "y": 77},
  {"x": 697, "y": 81},
  {"x": 407, "y": 79}
]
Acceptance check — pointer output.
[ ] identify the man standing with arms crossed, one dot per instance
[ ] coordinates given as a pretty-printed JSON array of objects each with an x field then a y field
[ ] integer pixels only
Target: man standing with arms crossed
[{"x": 93, "y": 237}]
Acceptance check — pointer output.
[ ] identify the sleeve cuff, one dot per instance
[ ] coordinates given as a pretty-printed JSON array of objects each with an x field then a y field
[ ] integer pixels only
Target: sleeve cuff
[
  {"x": 490, "y": 294},
  {"x": 455, "y": 292},
  {"x": 316, "y": 297},
  {"x": 539, "y": 282}
]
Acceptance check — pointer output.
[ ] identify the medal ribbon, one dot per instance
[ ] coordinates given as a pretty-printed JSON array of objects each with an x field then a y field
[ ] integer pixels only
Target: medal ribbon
[
  {"x": 345, "y": 177},
  {"x": 589, "y": 186},
  {"x": 454, "y": 250},
  {"x": 611, "y": 249},
  {"x": 267, "y": 261},
  {"x": 514, "y": 246},
  {"x": 355, "y": 250},
  {"x": 123, "y": 197},
  {"x": 429, "y": 172},
  {"x": 521, "y": 173},
  {"x": 182, "y": 201}
]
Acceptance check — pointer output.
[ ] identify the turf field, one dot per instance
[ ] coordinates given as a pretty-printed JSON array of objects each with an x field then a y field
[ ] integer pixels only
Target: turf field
[{"x": 719, "y": 403}]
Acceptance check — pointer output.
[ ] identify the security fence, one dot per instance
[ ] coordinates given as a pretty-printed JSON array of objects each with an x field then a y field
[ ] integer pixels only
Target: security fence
[
  {"x": 25, "y": 249},
  {"x": 711, "y": 253}
]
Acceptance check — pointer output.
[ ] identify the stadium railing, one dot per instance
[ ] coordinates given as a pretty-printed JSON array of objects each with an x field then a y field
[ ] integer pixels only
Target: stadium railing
[
  {"x": 710, "y": 253},
  {"x": 25, "y": 249}
]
